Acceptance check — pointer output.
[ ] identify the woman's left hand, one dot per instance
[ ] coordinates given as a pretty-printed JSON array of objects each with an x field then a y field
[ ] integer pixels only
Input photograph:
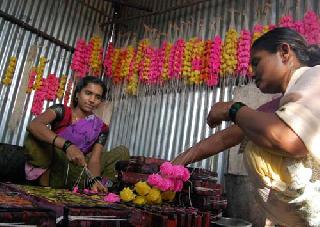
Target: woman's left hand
[
  {"x": 219, "y": 112},
  {"x": 99, "y": 188}
]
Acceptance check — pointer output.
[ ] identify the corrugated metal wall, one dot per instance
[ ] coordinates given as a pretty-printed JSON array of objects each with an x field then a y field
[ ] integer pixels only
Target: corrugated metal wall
[
  {"x": 165, "y": 124},
  {"x": 66, "y": 20}
]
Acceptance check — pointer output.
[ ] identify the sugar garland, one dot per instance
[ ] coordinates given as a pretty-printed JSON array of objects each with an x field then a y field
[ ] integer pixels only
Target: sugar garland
[{"x": 10, "y": 71}]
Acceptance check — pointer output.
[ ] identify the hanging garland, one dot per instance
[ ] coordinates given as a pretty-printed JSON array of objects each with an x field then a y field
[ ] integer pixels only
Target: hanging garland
[
  {"x": 62, "y": 84},
  {"x": 10, "y": 71},
  {"x": 40, "y": 69}
]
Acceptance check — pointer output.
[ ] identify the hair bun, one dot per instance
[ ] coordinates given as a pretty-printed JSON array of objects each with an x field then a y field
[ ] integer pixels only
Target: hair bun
[{"x": 314, "y": 54}]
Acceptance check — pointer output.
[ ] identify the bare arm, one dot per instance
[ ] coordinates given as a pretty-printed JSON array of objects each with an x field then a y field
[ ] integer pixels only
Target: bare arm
[
  {"x": 38, "y": 127},
  {"x": 269, "y": 131},
  {"x": 212, "y": 145}
]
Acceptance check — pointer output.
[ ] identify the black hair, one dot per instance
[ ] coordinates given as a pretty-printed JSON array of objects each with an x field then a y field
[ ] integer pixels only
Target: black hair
[
  {"x": 270, "y": 41},
  {"x": 83, "y": 83}
]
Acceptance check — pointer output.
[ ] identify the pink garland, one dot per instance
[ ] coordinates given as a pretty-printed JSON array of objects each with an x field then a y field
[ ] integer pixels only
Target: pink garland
[
  {"x": 39, "y": 98},
  {"x": 154, "y": 73},
  {"x": 311, "y": 27},
  {"x": 243, "y": 54},
  {"x": 215, "y": 61},
  {"x": 287, "y": 21},
  {"x": 171, "y": 177},
  {"x": 53, "y": 86},
  {"x": 80, "y": 58}
]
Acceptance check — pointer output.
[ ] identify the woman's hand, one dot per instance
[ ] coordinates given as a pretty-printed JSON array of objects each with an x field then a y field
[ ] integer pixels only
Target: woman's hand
[
  {"x": 76, "y": 156},
  {"x": 219, "y": 112},
  {"x": 184, "y": 158},
  {"x": 97, "y": 186}
]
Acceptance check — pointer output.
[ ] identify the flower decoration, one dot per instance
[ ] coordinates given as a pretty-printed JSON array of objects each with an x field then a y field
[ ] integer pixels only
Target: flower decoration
[
  {"x": 311, "y": 27},
  {"x": 107, "y": 63},
  {"x": 40, "y": 69},
  {"x": 10, "y": 71},
  {"x": 53, "y": 81},
  {"x": 95, "y": 62},
  {"x": 32, "y": 76},
  {"x": 140, "y": 200},
  {"x": 229, "y": 53},
  {"x": 214, "y": 61},
  {"x": 80, "y": 58},
  {"x": 142, "y": 188},
  {"x": 154, "y": 196},
  {"x": 39, "y": 98},
  {"x": 62, "y": 84},
  {"x": 257, "y": 32},
  {"x": 127, "y": 194},
  {"x": 168, "y": 195},
  {"x": 111, "y": 198},
  {"x": 164, "y": 57},
  {"x": 243, "y": 53},
  {"x": 286, "y": 21}
]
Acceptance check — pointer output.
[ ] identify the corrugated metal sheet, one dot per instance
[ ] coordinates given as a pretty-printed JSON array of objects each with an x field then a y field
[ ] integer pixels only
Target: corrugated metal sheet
[
  {"x": 66, "y": 20},
  {"x": 165, "y": 124}
]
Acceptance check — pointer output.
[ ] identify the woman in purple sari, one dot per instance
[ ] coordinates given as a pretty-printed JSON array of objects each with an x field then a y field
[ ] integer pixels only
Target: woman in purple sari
[{"x": 76, "y": 139}]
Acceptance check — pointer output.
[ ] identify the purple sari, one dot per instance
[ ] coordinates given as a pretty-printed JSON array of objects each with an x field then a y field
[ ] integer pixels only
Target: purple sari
[{"x": 84, "y": 132}]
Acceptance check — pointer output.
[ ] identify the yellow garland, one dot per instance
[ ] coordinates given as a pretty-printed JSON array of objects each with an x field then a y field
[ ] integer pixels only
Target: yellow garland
[
  {"x": 127, "y": 194},
  {"x": 187, "y": 58},
  {"x": 154, "y": 196},
  {"x": 168, "y": 195},
  {"x": 165, "y": 67},
  {"x": 40, "y": 69},
  {"x": 10, "y": 71},
  {"x": 198, "y": 49},
  {"x": 132, "y": 86},
  {"x": 265, "y": 29},
  {"x": 126, "y": 63},
  {"x": 142, "y": 188},
  {"x": 95, "y": 58},
  {"x": 229, "y": 53},
  {"x": 140, "y": 200},
  {"x": 115, "y": 59},
  {"x": 62, "y": 84}
]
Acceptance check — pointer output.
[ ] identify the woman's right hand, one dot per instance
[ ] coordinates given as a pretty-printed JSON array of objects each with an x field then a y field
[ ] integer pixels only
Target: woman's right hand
[
  {"x": 76, "y": 156},
  {"x": 183, "y": 158}
]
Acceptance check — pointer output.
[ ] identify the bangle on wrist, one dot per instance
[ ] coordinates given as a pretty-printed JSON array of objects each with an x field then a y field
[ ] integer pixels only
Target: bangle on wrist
[
  {"x": 66, "y": 145},
  {"x": 54, "y": 140},
  {"x": 234, "y": 110}
]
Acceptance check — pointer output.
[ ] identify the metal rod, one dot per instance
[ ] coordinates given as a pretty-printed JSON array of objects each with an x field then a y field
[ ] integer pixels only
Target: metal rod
[
  {"x": 116, "y": 21},
  {"x": 36, "y": 31},
  {"x": 93, "y": 8},
  {"x": 131, "y": 5}
]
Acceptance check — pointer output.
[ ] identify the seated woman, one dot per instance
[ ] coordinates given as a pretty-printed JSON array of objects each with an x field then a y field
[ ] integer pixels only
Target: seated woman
[{"x": 76, "y": 140}]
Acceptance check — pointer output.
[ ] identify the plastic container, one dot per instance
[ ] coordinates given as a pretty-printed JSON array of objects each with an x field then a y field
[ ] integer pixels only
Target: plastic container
[{"x": 230, "y": 222}]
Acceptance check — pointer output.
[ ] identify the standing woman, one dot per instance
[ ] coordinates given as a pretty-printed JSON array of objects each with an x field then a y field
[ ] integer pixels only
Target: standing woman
[
  {"x": 75, "y": 139},
  {"x": 283, "y": 150}
]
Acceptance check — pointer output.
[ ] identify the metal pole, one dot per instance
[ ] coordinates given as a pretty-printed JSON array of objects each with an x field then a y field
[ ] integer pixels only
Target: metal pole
[
  {"x": 117, "y": 21},
  {"x": 36, "y": 31}
]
